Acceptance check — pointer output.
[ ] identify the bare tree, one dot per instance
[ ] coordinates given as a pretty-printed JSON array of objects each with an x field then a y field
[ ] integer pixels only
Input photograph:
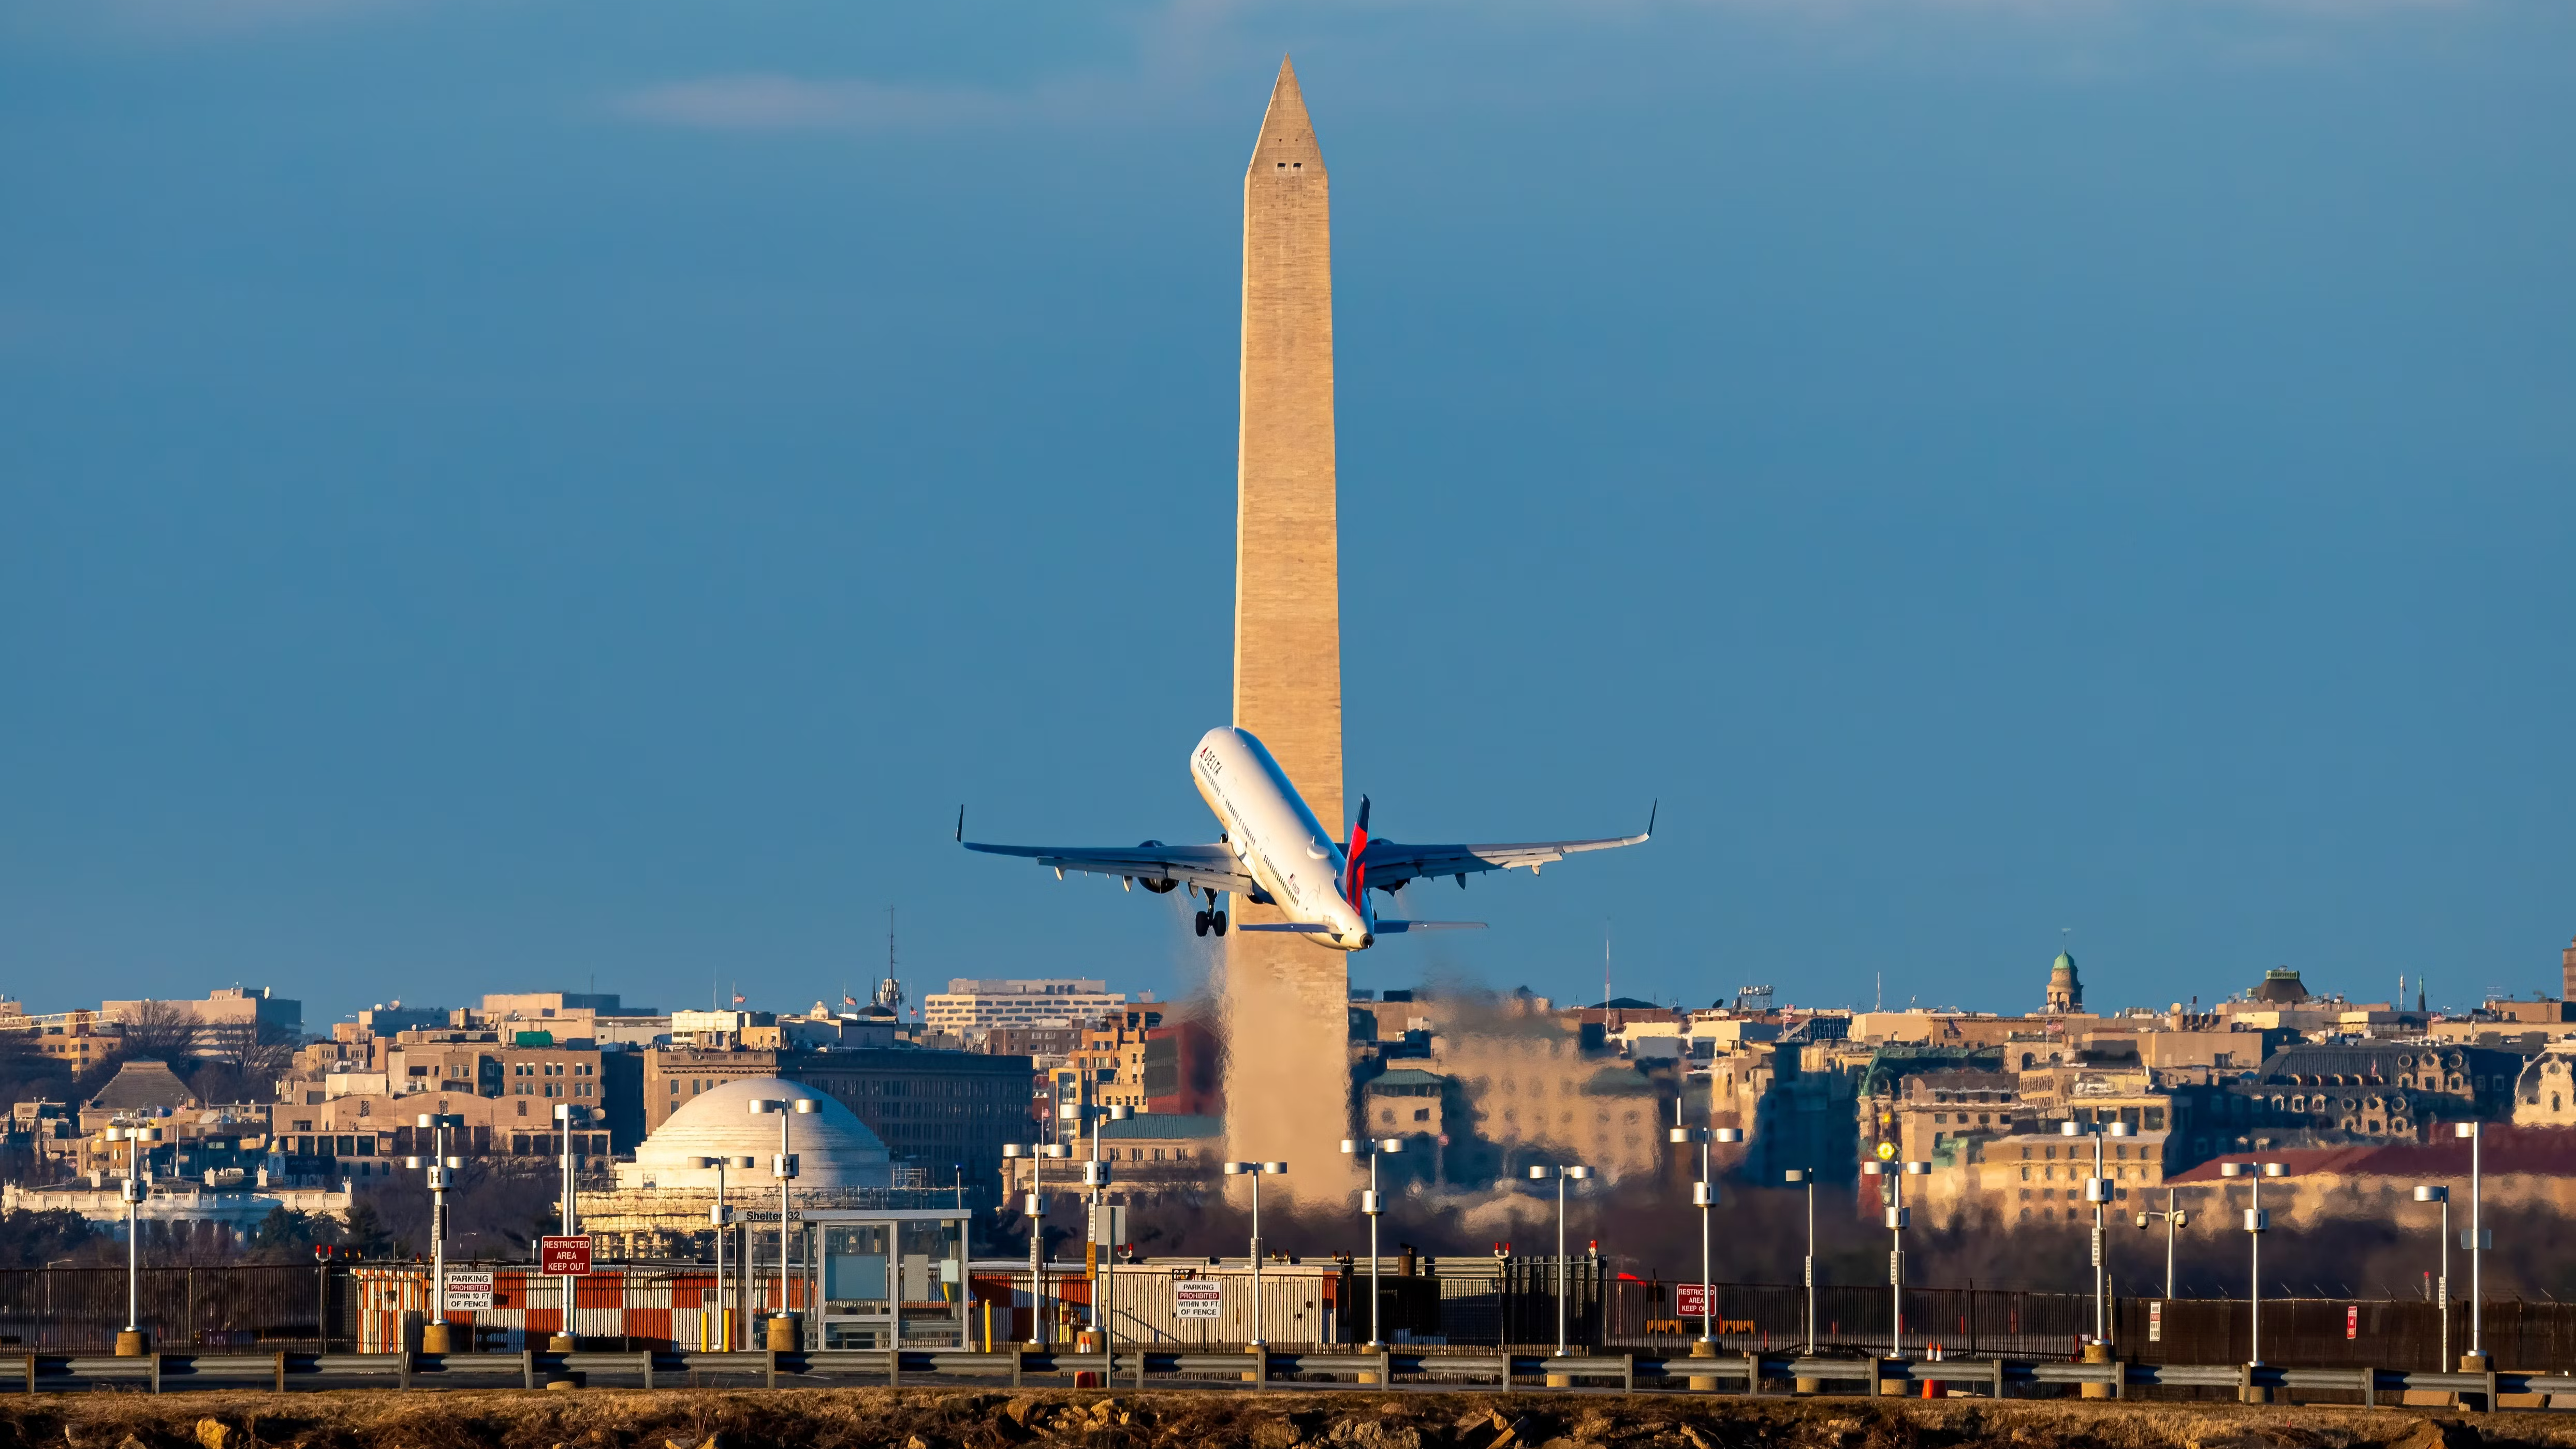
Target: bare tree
[
  {"x": 249, "y": 1056},
  {"x": 161, "y": 1031}
]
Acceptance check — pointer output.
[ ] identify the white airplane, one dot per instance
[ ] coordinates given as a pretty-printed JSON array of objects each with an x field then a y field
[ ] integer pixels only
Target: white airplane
[{"x": 1272, "y": 850}]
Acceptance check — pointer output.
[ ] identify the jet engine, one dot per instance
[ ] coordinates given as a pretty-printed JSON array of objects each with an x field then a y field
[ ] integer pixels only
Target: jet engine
[{"x": 1162, "y": 887}]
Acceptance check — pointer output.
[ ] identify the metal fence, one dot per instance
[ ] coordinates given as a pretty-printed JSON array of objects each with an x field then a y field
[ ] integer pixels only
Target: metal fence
[
  {"x": 270, "y": 1306},
  {"x": 2343, "y": 1333},
  {"x": 1853, "y": 1318},
  {"x": 1500, "y": 1301},
  {"x": 1492, "y": 1303}
]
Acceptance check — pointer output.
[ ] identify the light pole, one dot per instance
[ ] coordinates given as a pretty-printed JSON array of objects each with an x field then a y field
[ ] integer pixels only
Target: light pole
[
  {"x": 2442, "y": 1195},
  {"x": 1033, "y": 1206},
  {"x": 2477, "y": 1240},
  {"x": 1704, "y": 1197},
  {"x": 2097, "y": 1191},
  {"x": 1095, "y": 1178},
  {"x": 2173, "y": 1218},
  {"x": 568, "y": 1114},
  {"x": 1562, "y": 1176},
  {"x": 2257, "y": 1223},
  {"x": 1373, "y": 1206},
  {"x": 720, "y": 1217},
  {"x": 434, "y": 1338},
  {"x": 1256, "y": 1171},
  {"x": 129, "y": 1343},
  {"x": 1806, "y": 1177},
  {"x": 1896, "y": 1220},
  {"x": 782, "y": 1326}
]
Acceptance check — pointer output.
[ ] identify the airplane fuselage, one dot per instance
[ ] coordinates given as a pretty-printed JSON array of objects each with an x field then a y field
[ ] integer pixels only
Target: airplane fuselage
[{"x": 1270, "y": 829}]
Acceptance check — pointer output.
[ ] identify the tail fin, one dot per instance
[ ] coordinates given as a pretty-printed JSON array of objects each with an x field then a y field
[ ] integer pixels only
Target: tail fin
[{"x": 1354, "y": 874}]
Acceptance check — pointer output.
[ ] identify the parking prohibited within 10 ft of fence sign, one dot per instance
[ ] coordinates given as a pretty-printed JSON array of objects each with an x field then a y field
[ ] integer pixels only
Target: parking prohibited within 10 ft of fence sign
[
  {"x": 1197, "y": 1298},
  {"x": 469, "y": 1291}
]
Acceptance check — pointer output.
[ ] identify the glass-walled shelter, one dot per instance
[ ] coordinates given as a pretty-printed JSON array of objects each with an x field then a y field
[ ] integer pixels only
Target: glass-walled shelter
[{"x": 887, "y": 1278}]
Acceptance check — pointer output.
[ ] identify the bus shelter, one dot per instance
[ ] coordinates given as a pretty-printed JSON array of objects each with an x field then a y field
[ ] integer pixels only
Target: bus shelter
[{"x": 886, "y": 1277}]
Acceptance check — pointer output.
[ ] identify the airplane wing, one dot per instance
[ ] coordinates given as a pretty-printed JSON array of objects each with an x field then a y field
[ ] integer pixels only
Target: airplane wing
[
  {"x": 1391, "y": 862},
  {"x": 1209, "y": 867}
]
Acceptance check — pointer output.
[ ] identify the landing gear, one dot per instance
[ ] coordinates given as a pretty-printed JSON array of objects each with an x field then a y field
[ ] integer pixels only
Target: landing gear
[
  {"x": 1209, "y": 920},
  {"x": 1201, "y": 921}
]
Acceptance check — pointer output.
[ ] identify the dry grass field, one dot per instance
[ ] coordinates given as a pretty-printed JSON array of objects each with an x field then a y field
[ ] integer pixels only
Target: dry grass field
[{"x": 962, "y": 1419}]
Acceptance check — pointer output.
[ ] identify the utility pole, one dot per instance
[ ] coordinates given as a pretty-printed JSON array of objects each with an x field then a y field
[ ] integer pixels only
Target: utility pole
[{"x": 435, "y": 1337}]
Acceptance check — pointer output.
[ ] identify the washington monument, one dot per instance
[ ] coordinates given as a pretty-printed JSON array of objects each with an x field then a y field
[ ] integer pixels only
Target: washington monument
[
  {"x": 1298, "y": 870},
  {"x": 1287, "y": 1003}
]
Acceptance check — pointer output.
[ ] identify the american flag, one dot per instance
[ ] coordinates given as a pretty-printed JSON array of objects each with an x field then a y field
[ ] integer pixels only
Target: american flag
[{"x": 737, "y": 999}]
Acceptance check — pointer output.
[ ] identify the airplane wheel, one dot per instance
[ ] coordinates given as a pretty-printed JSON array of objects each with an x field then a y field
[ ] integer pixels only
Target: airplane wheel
[
  {"x": 1216, "y": 921},
  {"x": 1200, "y": 921}
]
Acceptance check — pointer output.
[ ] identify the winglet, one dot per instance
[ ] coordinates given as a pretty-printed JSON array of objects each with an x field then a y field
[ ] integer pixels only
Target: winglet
[
  {"x": 961, "y": 825},
  {"x": 1651, "y": 812}
]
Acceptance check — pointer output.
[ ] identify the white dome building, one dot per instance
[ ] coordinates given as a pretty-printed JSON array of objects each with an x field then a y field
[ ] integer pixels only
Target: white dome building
[{"x": 833, "y": 1148}]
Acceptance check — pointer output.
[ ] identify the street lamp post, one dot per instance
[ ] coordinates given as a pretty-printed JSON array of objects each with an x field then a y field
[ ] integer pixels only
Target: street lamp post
[
  {"x": 1095, "y": 1180},
  {"x": 2442, "y": 1195},
  {"x": 569, "y": 1114},
  {"x": 1033, "y": 1206},
  {"x": 1896, "y": 1221},
  {"x": 434, "y": 1337},
  {"x": 2097, "y": 1191},
  {"x": 1806, "y": 1177},
  {"x": 1373, "y": 1207},
  {"x": 2172, "y": 1218},
  {"x": 782, "y": 1325},
  {"x": 1562, "y": 1175},
  {"x": 137, "y": 1140},
  {"x": 2477, "y": 1240},
  {"x": 1704, "y": 1197},
  {"x": 1256, "y": 1171},
  {"x": 2257, "y": 1223},
  {"x": 721, "y": 1218}
]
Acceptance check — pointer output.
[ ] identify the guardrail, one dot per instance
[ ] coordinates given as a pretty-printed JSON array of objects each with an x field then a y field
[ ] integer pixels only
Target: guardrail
[{"x": 1255, "y": 1368}]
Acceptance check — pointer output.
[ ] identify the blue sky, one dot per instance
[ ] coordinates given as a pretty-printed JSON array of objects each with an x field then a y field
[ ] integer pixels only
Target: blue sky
[{"x": 498, "y": 495}]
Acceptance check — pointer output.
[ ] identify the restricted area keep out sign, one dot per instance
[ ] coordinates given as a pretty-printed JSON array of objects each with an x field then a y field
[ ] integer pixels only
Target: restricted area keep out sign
[
  {"x": 1689, "y": 1301},
  {"x": 1197, "y": 1298},
  {"x": 564, "y": 1257}
]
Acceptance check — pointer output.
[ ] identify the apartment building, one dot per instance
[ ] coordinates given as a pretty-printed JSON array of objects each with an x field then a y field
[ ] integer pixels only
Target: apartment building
[{"x": 975, "y": 1005}]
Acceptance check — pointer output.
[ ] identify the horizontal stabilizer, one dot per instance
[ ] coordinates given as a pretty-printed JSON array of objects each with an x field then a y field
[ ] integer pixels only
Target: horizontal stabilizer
[
  {"x": 1386, "y": 927},
  {"x": 1300, "y": 927}
]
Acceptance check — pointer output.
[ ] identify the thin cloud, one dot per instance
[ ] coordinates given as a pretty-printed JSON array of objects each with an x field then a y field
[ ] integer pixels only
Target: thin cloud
[{"x": 772, "y": 102}]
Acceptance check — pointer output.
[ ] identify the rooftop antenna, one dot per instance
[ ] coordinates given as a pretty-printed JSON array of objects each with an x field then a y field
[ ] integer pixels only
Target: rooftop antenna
[
  {"x": 889, "y": 992},
  {"x": 1880, "y": 1004},
  {"x": 1605, "y": 963}
]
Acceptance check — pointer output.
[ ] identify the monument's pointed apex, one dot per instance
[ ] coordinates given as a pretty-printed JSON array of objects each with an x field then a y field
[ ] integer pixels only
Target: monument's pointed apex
[
  {"x": 1287, "y": 137},
  {"x": 1285, "y": 98}
]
